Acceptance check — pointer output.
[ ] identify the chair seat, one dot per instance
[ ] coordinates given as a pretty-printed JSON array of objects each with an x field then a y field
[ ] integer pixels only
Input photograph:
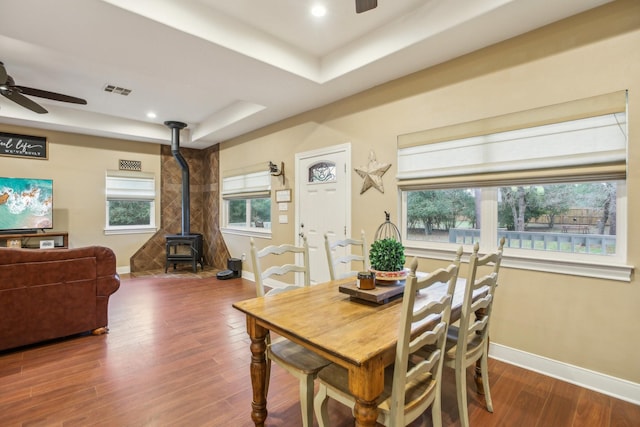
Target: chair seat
[
  {"x": 289, "y": 353},
  {"x": 337, "y": 377},
  {"x": 452, "y": 343}
]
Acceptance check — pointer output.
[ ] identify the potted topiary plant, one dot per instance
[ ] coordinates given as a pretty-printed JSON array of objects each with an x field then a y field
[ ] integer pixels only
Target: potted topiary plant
[{"x": 386, "y": 257}]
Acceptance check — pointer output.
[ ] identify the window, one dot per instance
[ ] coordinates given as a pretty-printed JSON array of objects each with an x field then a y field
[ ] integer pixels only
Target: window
[
  {"x": 130, "y": 205},
  {"x": 445, "y": 216},
  {"x": 249, "y": 213},
  {"x": 578, "y": 218},
  {"x": 247, "y": 200},
  {"x": 551, "y": 181},
  {"x": 570, "y": 217}
]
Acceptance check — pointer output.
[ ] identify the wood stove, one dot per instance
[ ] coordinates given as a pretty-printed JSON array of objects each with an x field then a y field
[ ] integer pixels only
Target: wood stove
[{"x": 184, "y": 247}]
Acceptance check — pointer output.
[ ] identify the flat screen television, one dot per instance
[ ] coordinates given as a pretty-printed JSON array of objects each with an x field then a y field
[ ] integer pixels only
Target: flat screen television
[{"x": 26, "y": 204}]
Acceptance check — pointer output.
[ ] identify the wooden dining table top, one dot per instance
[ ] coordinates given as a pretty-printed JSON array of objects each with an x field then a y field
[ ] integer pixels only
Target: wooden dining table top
[{"x": 342, "y": 329}]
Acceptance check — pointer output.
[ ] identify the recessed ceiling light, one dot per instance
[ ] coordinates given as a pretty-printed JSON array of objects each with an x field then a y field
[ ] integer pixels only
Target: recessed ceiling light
[
  {"x": 151, "y": 115},
  {"x": 319, "y": 10}
]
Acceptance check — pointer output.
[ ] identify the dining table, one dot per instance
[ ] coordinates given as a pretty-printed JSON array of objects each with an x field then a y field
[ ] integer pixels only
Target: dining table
[{"x": 356, "y": 334}]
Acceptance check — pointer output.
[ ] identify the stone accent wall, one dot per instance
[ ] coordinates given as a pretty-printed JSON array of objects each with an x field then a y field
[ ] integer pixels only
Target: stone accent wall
[
  {"x": 215, "y": 249},
  {"x": 204, "y": 204}
]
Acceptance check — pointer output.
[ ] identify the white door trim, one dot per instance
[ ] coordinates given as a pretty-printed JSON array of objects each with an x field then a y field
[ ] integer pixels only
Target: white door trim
[{"x": 339, "y": 148}]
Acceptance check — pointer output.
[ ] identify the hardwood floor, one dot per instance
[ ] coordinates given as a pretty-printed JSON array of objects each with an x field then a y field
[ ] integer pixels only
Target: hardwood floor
[{"x": 177, "y": 355}]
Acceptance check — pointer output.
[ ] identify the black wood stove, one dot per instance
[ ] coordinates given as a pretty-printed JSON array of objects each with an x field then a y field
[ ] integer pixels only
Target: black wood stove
[{"x": 185, "y": 247}]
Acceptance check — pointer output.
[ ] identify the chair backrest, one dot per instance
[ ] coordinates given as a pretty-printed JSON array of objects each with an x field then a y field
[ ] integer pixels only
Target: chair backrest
[
  {"x": 458, "y": 258},
  {"x": 361, "y": 256},
  {"x": 287, "y": 252},
  {"x": 475, "y": 316},
  {"x": 417, "y": 381}
]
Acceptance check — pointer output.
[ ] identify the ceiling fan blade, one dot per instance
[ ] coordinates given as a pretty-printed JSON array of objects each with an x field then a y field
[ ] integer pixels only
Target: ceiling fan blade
[
  {"x": 3, "y": 74},
  {"x": 50, "y": 95},
  {"x": 20, "y": 99},
  {"x": 364, "y": 5}
]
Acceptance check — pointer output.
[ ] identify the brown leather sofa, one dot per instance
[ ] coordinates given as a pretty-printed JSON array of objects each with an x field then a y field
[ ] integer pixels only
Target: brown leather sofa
[{"x": 46, "y": 294}]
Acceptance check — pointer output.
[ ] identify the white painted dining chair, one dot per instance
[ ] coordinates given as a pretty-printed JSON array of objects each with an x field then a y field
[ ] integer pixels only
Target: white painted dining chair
[
  {"x": 335, "y": 259},
  {"x": 286, "y": 254},
  {"x": 295, "y": 359},
  {"x": 412, "y": 384},
  {"x": 469, "y": 341}
]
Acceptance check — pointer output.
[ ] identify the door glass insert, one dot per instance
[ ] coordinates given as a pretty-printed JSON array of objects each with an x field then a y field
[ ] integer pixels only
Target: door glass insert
[{"x": 322, "y": 172}]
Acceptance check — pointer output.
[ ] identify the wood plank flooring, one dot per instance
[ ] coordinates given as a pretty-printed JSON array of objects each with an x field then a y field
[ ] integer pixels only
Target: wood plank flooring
[{"x": 178, "y": 355}]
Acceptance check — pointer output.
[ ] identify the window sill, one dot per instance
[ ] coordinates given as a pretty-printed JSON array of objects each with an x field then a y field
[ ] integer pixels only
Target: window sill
[
  {"x": 584, "y": 268},
  {"x": 132, "y": 230},
  {"x": 250, "y": 232}
]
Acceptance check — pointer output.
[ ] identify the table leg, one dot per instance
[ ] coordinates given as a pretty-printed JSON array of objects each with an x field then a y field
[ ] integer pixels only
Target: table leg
[
  {"x": 366, "y": 413},
  {"x": 366, "y": 383},
  {"x": 258, "y": 371}
]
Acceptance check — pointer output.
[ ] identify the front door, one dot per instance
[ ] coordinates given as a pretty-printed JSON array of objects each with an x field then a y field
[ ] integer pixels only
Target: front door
[{"x": 323, "y": 202}]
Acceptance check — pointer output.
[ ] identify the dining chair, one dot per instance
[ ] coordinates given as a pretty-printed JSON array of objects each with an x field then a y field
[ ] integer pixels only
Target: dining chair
[
  {"x": 295, "y": 359},
  {"x": 411, "y": 384},
  {"x": 274, "y": 252},
  {"x": 469, "y": 341},
  {"x": 335, "y": 260}
]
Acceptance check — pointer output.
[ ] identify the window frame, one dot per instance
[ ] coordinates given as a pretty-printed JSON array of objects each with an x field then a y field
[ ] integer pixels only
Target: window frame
[
  {"x": 243, "y": 230},
  {"x": 612, "y": 267},
  {"x": 478, "y": 163},
  {"x": 146, "y": 193},
  {"x": 252, "y": 182}
]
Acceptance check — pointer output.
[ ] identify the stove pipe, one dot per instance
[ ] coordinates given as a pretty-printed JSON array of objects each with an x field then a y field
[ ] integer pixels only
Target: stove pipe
[{"x": 175, "y": 150}]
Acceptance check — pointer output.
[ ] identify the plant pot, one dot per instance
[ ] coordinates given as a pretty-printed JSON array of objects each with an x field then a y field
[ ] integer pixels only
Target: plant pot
[{"x": 390, "y": 276}]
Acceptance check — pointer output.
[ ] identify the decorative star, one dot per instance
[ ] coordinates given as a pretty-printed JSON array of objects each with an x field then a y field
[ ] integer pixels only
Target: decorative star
[{"x": 372, "y": 173}]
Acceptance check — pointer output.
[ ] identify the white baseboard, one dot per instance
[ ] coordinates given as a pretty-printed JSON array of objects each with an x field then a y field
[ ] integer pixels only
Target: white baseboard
[
  {"x": 123, "y": 270},
  {"x": 606, "y": 384}
]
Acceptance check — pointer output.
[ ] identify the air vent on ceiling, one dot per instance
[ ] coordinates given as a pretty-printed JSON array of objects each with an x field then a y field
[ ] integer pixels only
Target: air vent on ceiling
[
  {"x": 130, "y": 165},
  {"x": 117, "y": 89}
]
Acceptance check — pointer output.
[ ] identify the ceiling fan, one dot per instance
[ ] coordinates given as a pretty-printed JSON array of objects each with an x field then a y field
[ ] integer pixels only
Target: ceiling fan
[
  {"x": 16, "y": 93},
  {"x": 364, "y": 5}
]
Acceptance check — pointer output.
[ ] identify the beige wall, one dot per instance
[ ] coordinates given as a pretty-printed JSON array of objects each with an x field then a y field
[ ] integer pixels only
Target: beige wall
[
  {"x": 561, "y": 317},
  {"x": 77, "y": 164}
]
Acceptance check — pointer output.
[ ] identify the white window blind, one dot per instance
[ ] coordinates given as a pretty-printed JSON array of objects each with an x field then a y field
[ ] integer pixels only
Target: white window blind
[
  {"x": 546, "y": 147},
  {"x": 130, "y": 186},
  {"x": 247, "y": 183}
]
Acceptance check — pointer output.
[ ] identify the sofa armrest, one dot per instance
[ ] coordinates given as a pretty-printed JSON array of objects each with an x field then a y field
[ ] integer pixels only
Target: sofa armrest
[{"x": 108, "y": 280}]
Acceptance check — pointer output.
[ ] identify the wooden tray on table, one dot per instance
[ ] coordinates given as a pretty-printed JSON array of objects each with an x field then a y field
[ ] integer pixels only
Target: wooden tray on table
[
  {"x": 381, "y": 294},
  {"x": 384, "y": 292}
]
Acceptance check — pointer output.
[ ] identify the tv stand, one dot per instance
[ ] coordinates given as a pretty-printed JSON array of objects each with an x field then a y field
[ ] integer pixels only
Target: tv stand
[
  {"x": 20, "y": 231},
  {"x": 32, "y": 240}
]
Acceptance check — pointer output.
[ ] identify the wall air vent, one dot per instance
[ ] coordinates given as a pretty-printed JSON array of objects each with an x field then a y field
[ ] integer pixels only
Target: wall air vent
[
  {"x": 130, "y": 165},
  {"x": 117, "y": 89}
]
